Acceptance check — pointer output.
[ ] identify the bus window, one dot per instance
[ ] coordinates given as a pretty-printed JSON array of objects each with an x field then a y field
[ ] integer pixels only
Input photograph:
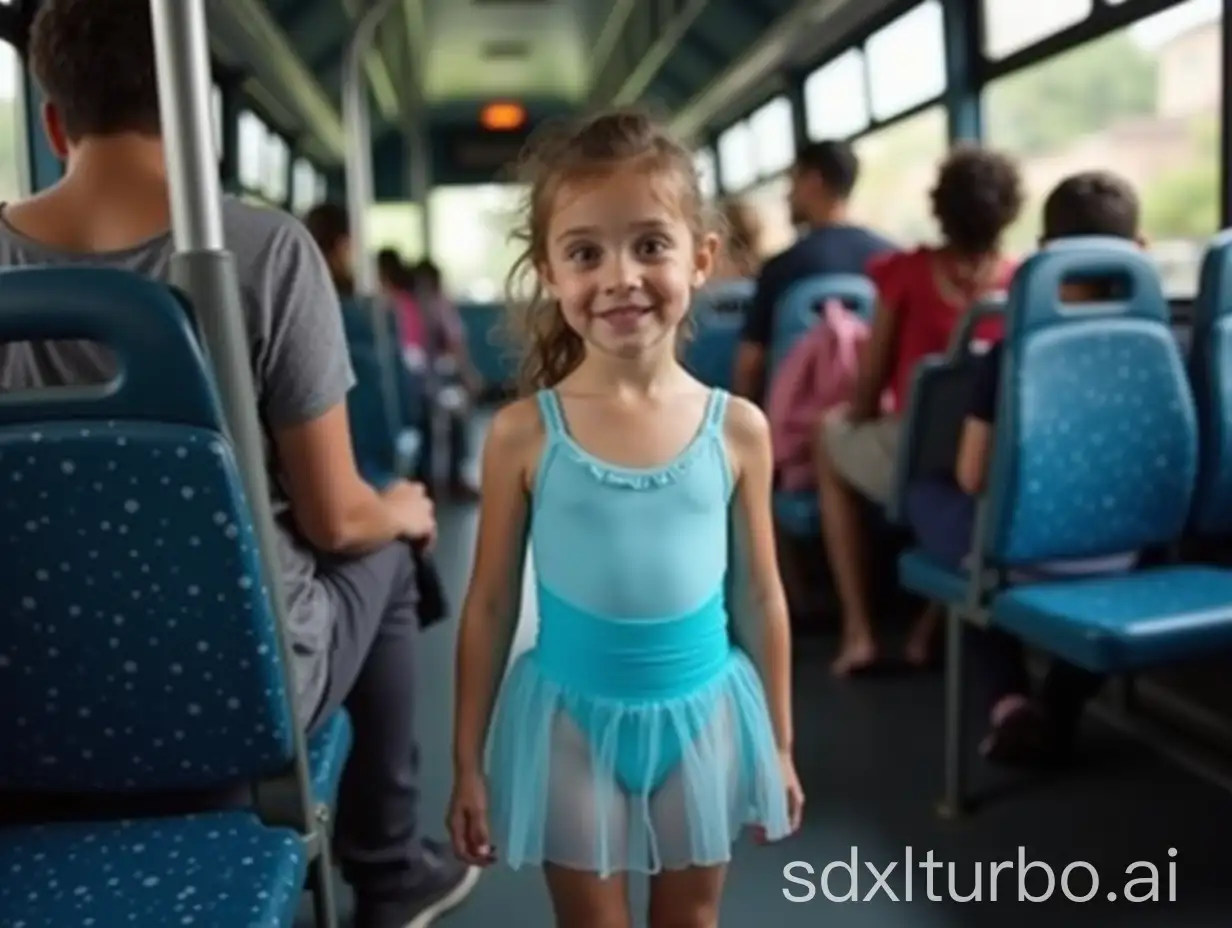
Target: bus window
[
  {"x": 898, "y": 166},
  {"x": 471, "y": 237},
  {"x": 836, "y": 98},
  {"x": 12, "y": 133},
  {"x": 1011, "y": 25},
  {"x": 1143, "y": 102},
  {"x": 252, "y": 133},
  {"x": 398, "y": 226},
  {"x": 906, "y": 61}
]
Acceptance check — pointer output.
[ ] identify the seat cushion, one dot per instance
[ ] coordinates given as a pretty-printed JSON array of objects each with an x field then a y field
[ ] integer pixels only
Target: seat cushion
[
  {"x": 1119, "y": 623},
  {"x": 224, "y": 869},
  {"x": 926, "y": 576},
  {"x": 327, "y": 754},
  {"x": 797, "y": 512}
]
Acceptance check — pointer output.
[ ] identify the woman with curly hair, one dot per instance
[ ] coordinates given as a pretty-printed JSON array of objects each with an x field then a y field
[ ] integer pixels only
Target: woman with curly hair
[{"x": 922, "y": 295}]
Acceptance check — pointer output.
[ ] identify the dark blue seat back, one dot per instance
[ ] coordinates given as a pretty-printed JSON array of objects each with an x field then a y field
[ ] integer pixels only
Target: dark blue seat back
[
  {"x": 725, "y": 298},
  {"x": 797, "y": 310},
  {"x": 137, "y": 647},
  {"x": 937, "y": 409},
  {"x": 486, "y": 343},
  {"x": 357, "y": 321},
  {"x": 718, "y": 318},
  {"x": 367, "y": 408},
  {"x": 1210, "y": 372},
  {"x": 1096, "y": 441},
  {"x": 359, "y": 324}
]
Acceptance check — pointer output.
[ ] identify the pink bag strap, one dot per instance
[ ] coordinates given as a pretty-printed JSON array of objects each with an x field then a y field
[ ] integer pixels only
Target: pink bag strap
[{"x": 846, "y": 329}]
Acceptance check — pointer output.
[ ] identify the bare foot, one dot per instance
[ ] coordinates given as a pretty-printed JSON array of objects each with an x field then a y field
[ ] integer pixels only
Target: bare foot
[
  {"x": 853, "y": 657},
  {"x": 919, "y": 649}
]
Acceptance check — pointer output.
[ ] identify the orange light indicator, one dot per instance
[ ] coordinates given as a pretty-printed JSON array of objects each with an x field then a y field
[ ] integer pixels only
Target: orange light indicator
[{"x": 503, "y": 117}]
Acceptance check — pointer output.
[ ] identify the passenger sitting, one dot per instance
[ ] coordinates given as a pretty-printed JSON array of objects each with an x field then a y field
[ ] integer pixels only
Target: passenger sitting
[
  {"x": 942, "y": 512},
  {"x": 822, "y": 183},
  {"x": 922, "y": 295},
  {"x": 398, "y": 285},
  {"x": 345, "y": 549},
  {"x": 446, "y": 336}
]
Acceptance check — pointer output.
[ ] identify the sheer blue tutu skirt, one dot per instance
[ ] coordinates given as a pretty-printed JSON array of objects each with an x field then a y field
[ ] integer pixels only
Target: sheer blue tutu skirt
[{"x": 631, "y": 745}]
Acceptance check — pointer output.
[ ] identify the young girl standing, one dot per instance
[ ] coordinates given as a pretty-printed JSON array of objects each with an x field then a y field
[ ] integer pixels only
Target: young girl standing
[{"x": 633, "y": 737}]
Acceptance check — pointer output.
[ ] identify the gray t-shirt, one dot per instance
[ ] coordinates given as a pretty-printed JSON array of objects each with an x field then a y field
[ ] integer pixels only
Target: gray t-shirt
[{"x": 301, "y": 368}]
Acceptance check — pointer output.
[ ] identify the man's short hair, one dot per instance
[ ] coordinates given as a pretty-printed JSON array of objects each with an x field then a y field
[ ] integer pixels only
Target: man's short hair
[
  {"x": 835, "y": 162},
  {"x": 328, "y": 224},
  {"x": 1091, "y": 203},
  {"x": 94, "y": 60}
]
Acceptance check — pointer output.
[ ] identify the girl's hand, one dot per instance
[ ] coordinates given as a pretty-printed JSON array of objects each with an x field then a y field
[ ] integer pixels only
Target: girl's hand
[
  {"x": 468, "y": 820},
  {"x": 795, "y": 797}
]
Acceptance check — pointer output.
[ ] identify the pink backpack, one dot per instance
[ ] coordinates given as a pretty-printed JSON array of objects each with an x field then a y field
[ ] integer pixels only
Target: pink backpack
[{"x": 818, "y": 374}]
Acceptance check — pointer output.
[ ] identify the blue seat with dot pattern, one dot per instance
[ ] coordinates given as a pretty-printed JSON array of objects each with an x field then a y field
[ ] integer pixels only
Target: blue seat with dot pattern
[
  {"x": 199, "y": 872},
  {"x": 932, "y": 429},
  {"x": 1210, "y": 372},
  {"x": 798, "y": 512},
  {"x": 1096, "y": 453},
  {"x": 138, "y": 649}
]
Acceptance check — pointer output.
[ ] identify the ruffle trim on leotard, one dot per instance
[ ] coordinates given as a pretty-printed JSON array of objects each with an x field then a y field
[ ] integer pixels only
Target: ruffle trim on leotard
[
  {"x": 633, "y": 478},
  {"x": 559, "y": 770}
]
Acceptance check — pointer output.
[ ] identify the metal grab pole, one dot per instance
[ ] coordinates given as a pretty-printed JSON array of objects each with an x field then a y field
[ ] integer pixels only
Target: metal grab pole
[
  {"x": 205, "y": 271},
  {"x": 360, "y": 194},
  {"x": 181, "y": 48}
]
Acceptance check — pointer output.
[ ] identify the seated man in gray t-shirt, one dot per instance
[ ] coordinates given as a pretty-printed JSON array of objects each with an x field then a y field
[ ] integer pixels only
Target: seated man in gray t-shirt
[{"x": 348, "y": 572}]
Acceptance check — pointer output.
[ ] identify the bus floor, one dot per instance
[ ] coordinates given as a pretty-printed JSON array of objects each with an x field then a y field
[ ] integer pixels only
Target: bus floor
[{"x": 869, "y": 756}]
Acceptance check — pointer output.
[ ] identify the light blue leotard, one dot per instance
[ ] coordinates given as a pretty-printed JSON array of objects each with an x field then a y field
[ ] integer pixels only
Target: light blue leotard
[{"x": 634, "y": 735}]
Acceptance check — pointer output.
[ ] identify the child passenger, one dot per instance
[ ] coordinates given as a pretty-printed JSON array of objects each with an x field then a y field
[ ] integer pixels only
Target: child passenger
[
  {"x": 1024, "y": 729},
  {"x": 921, "y": 296},
  {"x": 633, "y": 737}
]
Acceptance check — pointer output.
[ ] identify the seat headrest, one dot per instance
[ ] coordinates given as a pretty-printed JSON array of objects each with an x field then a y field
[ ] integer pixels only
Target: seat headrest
[
  {"x": 854, "y": 290},
  {"x": 1214, "y": 299},
  {"x": 1034, "y": 301},
  {"x": 162, "y": 372}
]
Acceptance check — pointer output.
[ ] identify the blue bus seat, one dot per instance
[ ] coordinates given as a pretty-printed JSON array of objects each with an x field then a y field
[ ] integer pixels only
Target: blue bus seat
[
  {"x": 1118, "y": 624},
  {"x": 718, "y": 315},
  {"x": 357, "y": 321},
  {"x": 201, "y": 870},
  {"x": 382, "y": 451},
  {"x": 924, "y": 575},
  {"x": 138, "y": 650},
  {"x": 328, "y": 747},
  {"x": 937, "y": 407},
  {"x": 798, "y": 513},
  {"x": 1210, "y": 373},
  {"x": 1096, "y": 453},
  {"x": 797, "y": 309},
  {"x": 932, "y": 428},
  {"x": 490, "y": 358}
]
